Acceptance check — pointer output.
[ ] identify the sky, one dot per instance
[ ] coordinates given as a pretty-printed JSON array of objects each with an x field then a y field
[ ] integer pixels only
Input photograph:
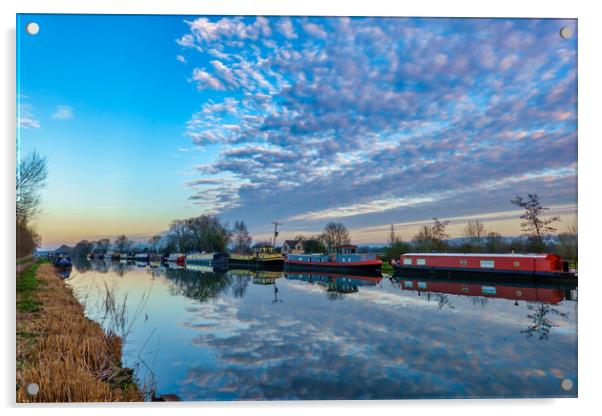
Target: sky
[{"x": 300, "y": 120}]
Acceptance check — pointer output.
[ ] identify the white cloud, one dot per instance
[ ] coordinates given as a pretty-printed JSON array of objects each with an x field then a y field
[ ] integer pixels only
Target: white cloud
[
  {"x": 379, "y": 205},
  {"x": 285, "y": 27},
  {"x": 206, "y": 80},
  {"x": 63, "y": 112},
  {"x": 315, "y": 30},
  {"x": 26, "y": 118}
]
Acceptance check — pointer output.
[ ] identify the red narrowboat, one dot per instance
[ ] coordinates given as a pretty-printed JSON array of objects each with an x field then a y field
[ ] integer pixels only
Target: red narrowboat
[
  {"x": 514, "y": 265},
  {"x": 343, "y": 259}
]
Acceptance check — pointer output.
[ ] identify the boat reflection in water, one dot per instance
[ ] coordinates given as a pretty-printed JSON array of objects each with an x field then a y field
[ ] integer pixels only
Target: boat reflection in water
[
  {"x": 335, "y": 284},
  {"x": 489, "y": 289},
  {"x": 541, "y": 301}
]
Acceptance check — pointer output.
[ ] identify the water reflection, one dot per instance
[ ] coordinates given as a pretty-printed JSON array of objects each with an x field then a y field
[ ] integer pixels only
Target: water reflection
[
  {"x": 335, "y": 285},
  {"x": 484, "y": 290},
  {"x": 250, "y": 334},
  {"x": 541, "y": 299},
  {"x": 542, "y": 315}
]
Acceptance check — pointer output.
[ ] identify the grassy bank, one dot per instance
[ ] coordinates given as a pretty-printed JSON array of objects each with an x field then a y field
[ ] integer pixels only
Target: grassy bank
[
  {"x": 68, "y": 356},
  {"x": 25, "y": 259},
  {"x": 386, "y": 268},
  {"x": 26, "y": 287}
]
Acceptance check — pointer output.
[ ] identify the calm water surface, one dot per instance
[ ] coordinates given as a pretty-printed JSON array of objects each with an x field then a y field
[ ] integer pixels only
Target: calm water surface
[{"x": 242, "y": 335}]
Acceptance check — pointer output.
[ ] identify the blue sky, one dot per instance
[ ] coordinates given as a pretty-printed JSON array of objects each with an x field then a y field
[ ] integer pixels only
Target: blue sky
[{"x": 368, "y": 121}]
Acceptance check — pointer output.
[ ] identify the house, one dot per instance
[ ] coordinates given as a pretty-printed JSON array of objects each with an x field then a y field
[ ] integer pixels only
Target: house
[{"x": 293, "y": 247}]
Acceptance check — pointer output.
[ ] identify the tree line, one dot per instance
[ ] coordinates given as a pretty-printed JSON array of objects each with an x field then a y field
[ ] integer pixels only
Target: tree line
[
  {"x": 31, "y": 174},
  {"x": 539, "y": 235},
  {"x": 207, "y": 233},
  {"x": 204, "y": 233}
]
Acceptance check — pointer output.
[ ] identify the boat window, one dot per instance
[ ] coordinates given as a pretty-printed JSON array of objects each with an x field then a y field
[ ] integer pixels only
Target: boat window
[
  {"x": 489, "y": 264},
  {"x": 407, "y": 261},
  {"x": 408, "y": 284},
  {"x": 488, "y": 290},
  {"x": 421, "y": 285},
  {"x": 420, "y": 262}
]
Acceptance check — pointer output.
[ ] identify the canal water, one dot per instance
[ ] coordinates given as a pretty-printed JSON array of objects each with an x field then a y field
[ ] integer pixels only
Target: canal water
[{"x": 245, "y": 335}]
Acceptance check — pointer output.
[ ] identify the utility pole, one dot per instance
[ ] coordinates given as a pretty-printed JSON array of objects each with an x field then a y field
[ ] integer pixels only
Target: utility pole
[{"x": 276, "y": 224}]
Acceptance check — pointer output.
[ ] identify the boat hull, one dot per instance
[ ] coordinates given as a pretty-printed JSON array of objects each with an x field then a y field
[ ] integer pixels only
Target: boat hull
[
  {"x": 257, "y": 263},
  {"x": 368, "y": 267},
  {"x": 491, "y": 274}
]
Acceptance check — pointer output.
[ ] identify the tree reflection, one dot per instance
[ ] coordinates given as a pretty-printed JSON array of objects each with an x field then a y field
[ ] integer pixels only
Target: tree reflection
[
  {"x": 81, "y": 264},
  {"x": 197, "y": 285},
  {"x": 240, "y": 282},
  {"x": 443, "y": 301},
  {"x": 542, "y": 324},
  {"x": 120, "y": 268},
  {"x": 478, "y": 300}
]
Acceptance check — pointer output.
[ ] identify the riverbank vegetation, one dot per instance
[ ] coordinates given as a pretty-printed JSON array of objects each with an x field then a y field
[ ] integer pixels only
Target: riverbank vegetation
[
  {"x": 31, "y": 176},
  {"x": 67, "y": 355}
]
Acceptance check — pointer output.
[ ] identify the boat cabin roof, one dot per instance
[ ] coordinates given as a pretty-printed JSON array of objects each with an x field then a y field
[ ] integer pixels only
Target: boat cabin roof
[{"x": 477, "y": 255}]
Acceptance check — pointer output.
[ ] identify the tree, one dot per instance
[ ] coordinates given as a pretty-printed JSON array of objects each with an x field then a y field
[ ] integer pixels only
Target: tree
[
  {"x": 494, "y": 242},
  {"x": 423, "y": 240},
  {"x": 153, "y": 242},
  {"x": 474, "y": 234},
  {"x": 178, "y": 234},
  {"x": 27, "y": 239},
  {"x": 31, "y": 174},
  {"x": 31, "y": 178},
  {"x": 207, "y": 233},
  {"x": 335, "y": 234},
  {"x": 313, "y": 245},
  {"x": 122, "y": 244},
  {"x": 432, "y": 238},
  {"x": 63, "y": 249},
  {"x": 102, "y": 245},
  {"x": 241, "y": 238},
  {"x": 567, "y": 246},
  {"x": 397, "y": 249},
  {"x": 82, "y": 249},
  {"x": 393, "y": 239},
  {"x": 534, "y": 225}
]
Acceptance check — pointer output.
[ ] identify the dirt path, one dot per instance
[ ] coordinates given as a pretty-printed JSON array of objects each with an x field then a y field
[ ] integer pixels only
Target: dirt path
[{"x": 24, "y": 266}]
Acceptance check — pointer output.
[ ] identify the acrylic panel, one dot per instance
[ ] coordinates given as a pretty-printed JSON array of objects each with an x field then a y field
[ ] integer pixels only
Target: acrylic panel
[{"x": 295, "y": 208}]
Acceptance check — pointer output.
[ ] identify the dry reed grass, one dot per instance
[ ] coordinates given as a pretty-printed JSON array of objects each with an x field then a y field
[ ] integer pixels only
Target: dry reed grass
[{"x": 69, "y": 356}]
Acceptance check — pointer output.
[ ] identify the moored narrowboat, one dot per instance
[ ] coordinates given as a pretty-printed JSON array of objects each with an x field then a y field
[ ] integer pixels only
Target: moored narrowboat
[
  {"x": 344, "y": 259},
  {"x": 263, "y": 256},
  {"x": 208, "y": 259},
  {"x": 520, "y": 266}
]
